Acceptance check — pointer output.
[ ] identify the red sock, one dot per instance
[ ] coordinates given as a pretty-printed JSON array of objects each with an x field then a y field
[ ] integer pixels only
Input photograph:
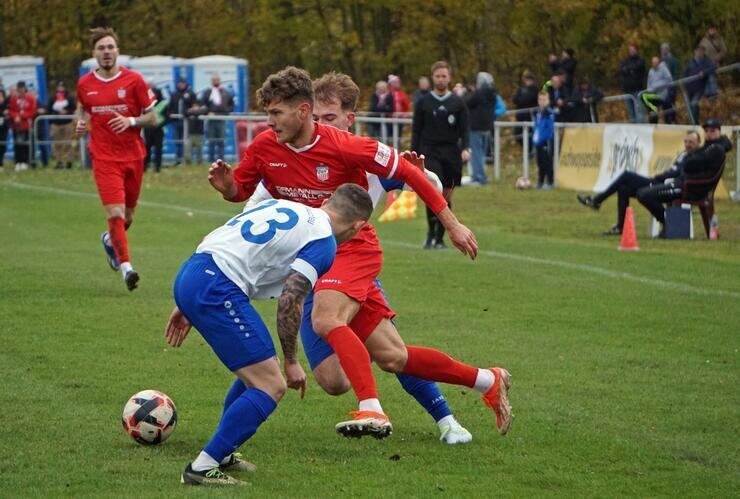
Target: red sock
[
  {"x": 355, "y": 361},
  {"x": 427, "y": 363},
  {"x": 117, "y": 231}
]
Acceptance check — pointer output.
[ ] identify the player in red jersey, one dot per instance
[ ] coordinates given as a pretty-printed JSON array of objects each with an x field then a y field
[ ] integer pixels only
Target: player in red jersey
[
  {"x": 305, "y": 161},
  {"x": 115, "y": 103}
]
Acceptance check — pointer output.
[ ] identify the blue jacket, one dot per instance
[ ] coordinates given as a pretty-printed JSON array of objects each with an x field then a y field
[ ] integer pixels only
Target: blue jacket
[{"x": 544, "y": 126}]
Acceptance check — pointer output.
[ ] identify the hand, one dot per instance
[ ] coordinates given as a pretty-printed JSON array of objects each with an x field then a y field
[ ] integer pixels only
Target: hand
[
  {"x": 295, "y": 377},
  {"x": 120, "y": 123},
  {"x": 177, "y": 328},
  {"x": 80, "y": 128},
  {"x": 462, "y": 237},
  {"x": 221, "y": 178},
  {"x": 465, "y": 155},
  {"x": 415, "y": 159}
]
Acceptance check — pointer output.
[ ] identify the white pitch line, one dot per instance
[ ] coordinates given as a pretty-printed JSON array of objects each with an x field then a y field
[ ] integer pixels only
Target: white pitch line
[{"x": 660, "y": 283}]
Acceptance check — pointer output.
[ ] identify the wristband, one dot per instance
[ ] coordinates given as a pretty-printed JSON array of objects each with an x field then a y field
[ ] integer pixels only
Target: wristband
[{"x": 132, "y": 121}]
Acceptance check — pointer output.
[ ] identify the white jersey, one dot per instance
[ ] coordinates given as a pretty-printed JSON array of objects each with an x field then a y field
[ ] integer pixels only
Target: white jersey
[{"x": 259, "y": 248}]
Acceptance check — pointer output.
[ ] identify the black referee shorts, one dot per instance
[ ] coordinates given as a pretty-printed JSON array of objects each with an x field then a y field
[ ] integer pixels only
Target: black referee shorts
[{"x": 445, "y": 161}]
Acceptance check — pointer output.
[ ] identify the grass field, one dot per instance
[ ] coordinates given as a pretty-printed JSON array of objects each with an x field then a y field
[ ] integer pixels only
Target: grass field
[{"x": 625, "y": 365}]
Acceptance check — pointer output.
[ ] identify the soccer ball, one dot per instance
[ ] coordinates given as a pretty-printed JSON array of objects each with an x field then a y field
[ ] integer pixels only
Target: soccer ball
[
  {"x": 523, "y": 183},
  {"x": 149, "y": 417}
]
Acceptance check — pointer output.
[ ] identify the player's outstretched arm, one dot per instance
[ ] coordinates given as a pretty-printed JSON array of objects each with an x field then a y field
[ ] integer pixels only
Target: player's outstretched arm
[
  {"x": 289, "y": 315},
  {"x": 462, "y": 237},
  {"x": 177, "y": 328},
  {"x": 221, "y": 178}
]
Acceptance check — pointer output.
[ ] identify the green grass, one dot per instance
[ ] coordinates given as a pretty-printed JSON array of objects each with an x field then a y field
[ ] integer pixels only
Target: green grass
[{"x": 625, "y": 365}]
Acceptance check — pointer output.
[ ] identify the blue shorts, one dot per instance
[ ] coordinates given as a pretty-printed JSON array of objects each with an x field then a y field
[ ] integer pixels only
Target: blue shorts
[
  {"x": 221, "y": 312},
  {"x": 363, "y": 324}
]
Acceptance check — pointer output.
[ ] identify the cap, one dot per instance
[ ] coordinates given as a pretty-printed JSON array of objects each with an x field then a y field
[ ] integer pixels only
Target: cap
[{"x": 712, "y": 124}]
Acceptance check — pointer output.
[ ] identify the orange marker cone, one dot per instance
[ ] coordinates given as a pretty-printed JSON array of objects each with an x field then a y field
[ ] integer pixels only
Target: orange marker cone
[
  {"x": 629, "y": 234},
  {"x": 390, "y": 197}
]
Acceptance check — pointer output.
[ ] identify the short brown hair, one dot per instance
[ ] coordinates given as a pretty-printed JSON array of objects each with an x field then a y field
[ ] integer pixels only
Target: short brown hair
[
  {"x": 96, "y": 34},
  {"x": 441, "y": 65},
  {"x": 290, "y": 85},
  {"x": 337, "y": 86},
  {"x": 351, "y": 202}
]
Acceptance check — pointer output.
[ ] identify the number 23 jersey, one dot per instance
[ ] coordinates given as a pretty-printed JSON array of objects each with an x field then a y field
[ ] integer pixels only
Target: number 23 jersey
[{"x": 259, "y": 248}]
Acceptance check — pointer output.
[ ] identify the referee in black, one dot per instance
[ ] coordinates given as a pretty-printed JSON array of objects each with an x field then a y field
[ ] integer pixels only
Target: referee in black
[{"x": 440, "y": 133}]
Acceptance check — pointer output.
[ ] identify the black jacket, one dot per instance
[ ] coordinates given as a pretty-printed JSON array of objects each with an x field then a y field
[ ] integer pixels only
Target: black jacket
[
  {"x": 584, "y": 112},
  {"x": 480, "y": 107},
  {"x": 227, "y": 101},
  {"x": 704, "y": 163},
  {"x": 440, "y": 122},
  {"x": 632, "y": 74}
]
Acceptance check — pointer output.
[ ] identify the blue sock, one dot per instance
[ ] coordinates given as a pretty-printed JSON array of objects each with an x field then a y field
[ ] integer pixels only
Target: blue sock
[
  {"x": 237, "y": 388},
  {"x": 427, "y": 393},
  {"x": 239, "y": 422}
]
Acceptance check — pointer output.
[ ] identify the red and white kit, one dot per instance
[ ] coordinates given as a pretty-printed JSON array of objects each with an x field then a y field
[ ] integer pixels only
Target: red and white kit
[
  {"x": 118, "y": 164},
  {"x": 311, "y": 174}
]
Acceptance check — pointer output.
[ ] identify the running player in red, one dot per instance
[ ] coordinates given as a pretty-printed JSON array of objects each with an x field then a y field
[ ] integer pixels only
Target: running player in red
[
  {"x": 304, "y": 161},
  {"x": 115, "y": 103}
]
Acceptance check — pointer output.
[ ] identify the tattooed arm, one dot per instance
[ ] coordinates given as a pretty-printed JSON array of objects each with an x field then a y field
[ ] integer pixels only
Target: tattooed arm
[{"x": 289, "y": 315}]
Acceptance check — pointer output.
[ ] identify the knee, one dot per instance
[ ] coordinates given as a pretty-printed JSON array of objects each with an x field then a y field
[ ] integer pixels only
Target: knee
[
  {"x": 323, "y": 324},
  {"x": 275, "y": 388},
  {"x": 393, "y": 360},
  {"x": 334, "y": 386},
  {"x": 116, "y": 212}
]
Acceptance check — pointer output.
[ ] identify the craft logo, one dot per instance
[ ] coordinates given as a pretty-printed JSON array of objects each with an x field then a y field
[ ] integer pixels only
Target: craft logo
[
  {"x": 322, "y": 173},
  {"x": 121, "y": 93},
  {"x": 383, "y": 154},
  {"x": 626, "y": 155}
]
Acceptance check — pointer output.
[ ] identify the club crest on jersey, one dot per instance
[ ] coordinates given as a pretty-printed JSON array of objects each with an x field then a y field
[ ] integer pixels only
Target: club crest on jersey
[
  {"x": 121, "y": 93},
  {"x": 322, "y": 173}
]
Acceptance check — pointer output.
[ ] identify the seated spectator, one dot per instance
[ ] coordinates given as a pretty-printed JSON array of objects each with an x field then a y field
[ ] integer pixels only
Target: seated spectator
[
  {"x": 656, "y": 94},
  {"x": 628, "y": 183},
  {"x": 381, "y": 104},
  {"x": 61, "y": 103},
  {"x": 700, "y": 164},
  {"x": 582, "y": 103}
]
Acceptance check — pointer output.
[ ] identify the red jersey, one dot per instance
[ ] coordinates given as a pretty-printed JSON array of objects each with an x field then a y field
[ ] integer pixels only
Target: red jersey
[
  {"x": 127, "y": 94},
  {"x": 24, "y": 108},
  {"x": 312, "y": 173}
]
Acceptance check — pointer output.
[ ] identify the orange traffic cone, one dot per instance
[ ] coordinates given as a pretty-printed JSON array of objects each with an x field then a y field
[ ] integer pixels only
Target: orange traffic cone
[{"x": 629, "y": 234}]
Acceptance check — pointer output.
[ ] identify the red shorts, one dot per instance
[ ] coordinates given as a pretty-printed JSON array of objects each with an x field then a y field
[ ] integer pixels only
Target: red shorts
[
  {"x": 119, "y": 182},
  {"x": 354, "y": 273}
]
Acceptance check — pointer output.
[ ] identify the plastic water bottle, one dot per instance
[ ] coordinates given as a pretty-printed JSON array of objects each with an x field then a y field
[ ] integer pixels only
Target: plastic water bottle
[{"x": 714, "y": 228}]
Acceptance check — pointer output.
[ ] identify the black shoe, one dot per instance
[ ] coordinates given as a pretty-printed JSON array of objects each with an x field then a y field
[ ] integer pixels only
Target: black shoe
[
  {"x": 588, "y": 201},
  {"x": 440, "y": 245},
  {"x": 429, "y": 243},
  {"x": 208, "y": 477},
  {"x": 236, "y": 463},
  {"x": 132, "y": 279},
  {"x": 614, "y": 231}
]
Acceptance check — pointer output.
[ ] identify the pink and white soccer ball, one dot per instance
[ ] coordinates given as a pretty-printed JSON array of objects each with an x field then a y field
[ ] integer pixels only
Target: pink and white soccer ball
[
  {"x": 149, "y": 417},
  {"x": 523, "y": 183}
]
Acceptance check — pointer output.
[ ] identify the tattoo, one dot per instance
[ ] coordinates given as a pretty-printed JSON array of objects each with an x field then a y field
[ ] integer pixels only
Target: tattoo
[{"x": 290, "y": 313}]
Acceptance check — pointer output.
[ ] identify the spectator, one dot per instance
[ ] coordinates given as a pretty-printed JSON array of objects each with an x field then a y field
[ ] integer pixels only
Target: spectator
[
  {"x": 700, "y": 164},
  {"x": 656, "y": 94},
  {"x": 582, "y": 104},
  {"x": 699, "y": 66},
  {"x": 180, "y": 101},
  {"x": 401, "y": 104},
  {"x": 422, "y": 90},
  {"x": 567, "y": 64},
  {"x": 40, "y": 133},
  {"x": 716, "y": 50},
  {"x": 460, "y": 90},
  {"x": 628, "y": 183},
  {"x": 481, "y": 105},
  {"x": 440, "y": 133},
  {"x": 4, "y": 122},
  {"x": 544, "y": 132},
  {"x": 22, "y": 110},
  {"x": 674, "y": 67},
  {"x": 558, "y": 94},
  {"x": 524, "y": 100},
  {"x": 381, "y": 104},
  {"x": 194, "y": 144},
  {"x": 218, "y": 101},
  {"x": 154, "y": 136},
  {"x": 632, "y": 78},
  {"x": 62, "y": 131}
]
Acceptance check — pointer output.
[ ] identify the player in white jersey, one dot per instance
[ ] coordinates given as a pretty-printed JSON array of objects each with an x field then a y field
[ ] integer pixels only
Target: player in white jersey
[{"x": 275, "y": 249}]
